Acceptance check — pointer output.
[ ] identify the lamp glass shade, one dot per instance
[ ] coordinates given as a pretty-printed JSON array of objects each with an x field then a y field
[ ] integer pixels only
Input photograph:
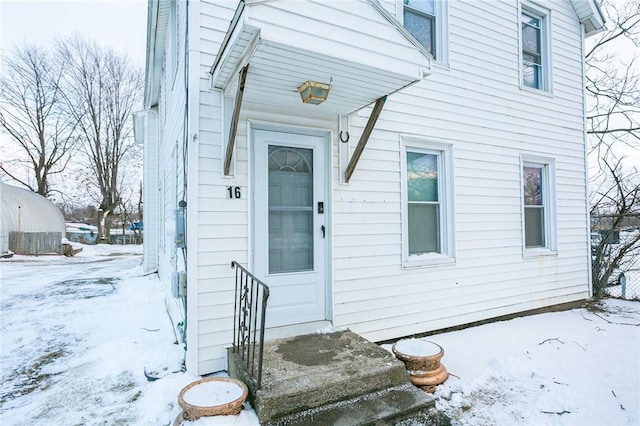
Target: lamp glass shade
[{"x": 314, "y": 93}]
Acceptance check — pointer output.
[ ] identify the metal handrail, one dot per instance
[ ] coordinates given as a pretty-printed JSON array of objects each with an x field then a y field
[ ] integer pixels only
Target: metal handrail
[{"x": 250, "y": 294}]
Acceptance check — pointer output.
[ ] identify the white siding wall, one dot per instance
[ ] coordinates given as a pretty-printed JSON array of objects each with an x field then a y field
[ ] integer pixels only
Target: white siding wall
[
  {"x": 171, "y": 155},
  {"x": 477, "y": 106},
  {"x": 151, "y": 185},
  {"x": 221, "y": 223}
]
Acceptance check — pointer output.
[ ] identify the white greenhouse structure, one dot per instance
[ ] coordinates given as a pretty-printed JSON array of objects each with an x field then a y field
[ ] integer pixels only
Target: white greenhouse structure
[{"x": 29, "y": 223}]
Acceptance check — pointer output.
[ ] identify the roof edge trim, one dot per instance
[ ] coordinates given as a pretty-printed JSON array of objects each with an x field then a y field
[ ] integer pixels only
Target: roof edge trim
[
  {"x": 393, "y": 21},
  {"x": 227, "y": 37},
  {"x": 590, "y": 15}
]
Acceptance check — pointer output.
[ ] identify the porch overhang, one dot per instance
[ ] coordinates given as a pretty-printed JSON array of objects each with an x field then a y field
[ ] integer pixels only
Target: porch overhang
[{"x": 356, "y": 47}]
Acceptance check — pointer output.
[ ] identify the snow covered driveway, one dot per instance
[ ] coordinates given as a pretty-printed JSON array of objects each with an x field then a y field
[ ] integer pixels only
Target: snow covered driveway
[{"x": 77, "y": 334}]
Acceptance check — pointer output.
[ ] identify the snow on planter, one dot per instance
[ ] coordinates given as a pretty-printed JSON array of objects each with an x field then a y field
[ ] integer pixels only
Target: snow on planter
[
  {"x": 212, "y": 396},
  {"x": 208, "y": 394},
  {"x": 422, "y": 358},
  {"x": 417, "y": 347}
]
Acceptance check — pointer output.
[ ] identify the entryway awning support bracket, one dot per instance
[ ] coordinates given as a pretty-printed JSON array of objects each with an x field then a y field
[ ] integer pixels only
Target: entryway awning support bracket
[
  {"x": 234, "y": 121},
  {"x": 373, "y": 118}
]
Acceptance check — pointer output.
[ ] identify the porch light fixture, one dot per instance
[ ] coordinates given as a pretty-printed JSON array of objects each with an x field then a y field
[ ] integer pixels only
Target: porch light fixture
[{"x": 314, "y": 93}]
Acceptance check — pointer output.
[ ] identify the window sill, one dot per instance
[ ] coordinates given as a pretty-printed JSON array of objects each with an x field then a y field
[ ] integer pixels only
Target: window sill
[
  {"x": 442, "y": 65},
  {"x": 532, "y": 253},
  {"x": 428, "y": 260},
  {"x": 542, "y": 92}
]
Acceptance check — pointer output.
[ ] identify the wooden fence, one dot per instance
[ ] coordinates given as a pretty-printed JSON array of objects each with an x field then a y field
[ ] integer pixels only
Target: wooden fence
[{"x": 35, "y": 242}]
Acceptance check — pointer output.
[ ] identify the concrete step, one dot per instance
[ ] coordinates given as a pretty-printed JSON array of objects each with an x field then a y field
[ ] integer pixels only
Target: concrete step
[
  {"x": 315, "y": 374},
  {"x": 384, "y": 407}
]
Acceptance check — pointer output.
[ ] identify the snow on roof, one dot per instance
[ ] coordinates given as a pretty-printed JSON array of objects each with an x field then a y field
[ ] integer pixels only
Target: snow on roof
[{"x": 24, "y": 211}]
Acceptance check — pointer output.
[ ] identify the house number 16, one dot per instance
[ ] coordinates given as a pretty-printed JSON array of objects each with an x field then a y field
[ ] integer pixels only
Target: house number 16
[{"x": 234, "y": 191}]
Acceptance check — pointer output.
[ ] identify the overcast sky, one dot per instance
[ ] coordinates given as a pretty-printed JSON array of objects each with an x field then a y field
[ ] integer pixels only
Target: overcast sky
[{"x": 120, "y": 24}]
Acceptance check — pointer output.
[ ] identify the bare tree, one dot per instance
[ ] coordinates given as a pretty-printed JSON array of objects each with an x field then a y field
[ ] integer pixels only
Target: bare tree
[
  {"x": 613, "y": 80},
  {"x": 31, "y": 114},
  {"x": 613, "y": 117},
  {"x": 615, "y": 209},
  {"x": 102, "y": 90}
]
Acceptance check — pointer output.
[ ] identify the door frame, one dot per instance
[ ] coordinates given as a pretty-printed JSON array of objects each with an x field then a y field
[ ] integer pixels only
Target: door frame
[{"x": 327, "y": 169}]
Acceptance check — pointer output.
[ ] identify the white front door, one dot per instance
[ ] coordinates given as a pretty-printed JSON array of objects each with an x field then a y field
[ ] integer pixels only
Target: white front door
[{"x": 290, "y": 226}]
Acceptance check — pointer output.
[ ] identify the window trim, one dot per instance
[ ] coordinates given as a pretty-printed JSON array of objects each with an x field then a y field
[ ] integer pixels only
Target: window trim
[
  {"x": 549, "y": 202},
  {"x": 446, "y": 197},
  {"x": 546, "y": 77},
  {"x": 441, "y": 30}
]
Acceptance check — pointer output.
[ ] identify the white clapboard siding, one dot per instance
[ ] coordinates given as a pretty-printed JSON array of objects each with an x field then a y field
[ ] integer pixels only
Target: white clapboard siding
[
  {"x": 151, "y": 200},
  {"x": 171, "y": 159},
  {"x": 478, "y": 107},
  {"x": 221, "y": 227},
  {"x": 475, "y": 104}
]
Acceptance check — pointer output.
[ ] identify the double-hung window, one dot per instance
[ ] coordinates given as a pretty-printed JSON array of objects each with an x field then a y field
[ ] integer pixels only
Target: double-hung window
[
  {"x": 420, "y": 19},
  {"x": 538, "y": 205},
  {"x": 534, "y": 190},
  {"x": 428, "y": 221},
  {"x": 534, "y": 35},
  {"x": 427, "y": 20},
  {"x": 423, "y": 202}
]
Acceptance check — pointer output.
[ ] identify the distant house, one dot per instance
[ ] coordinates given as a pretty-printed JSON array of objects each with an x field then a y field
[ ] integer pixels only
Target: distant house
[
  {"x": 442, "y": 181},
  {"x": 29, "y": 223}
]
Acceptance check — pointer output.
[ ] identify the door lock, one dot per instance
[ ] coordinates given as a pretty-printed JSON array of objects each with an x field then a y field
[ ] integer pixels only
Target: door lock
[{"x": 320, "y": 207}]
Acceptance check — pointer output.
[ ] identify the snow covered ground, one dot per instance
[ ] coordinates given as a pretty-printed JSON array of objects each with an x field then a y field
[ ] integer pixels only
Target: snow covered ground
[
  {"x": 78, "y": 333},
  {"x": 579, "y": 367},
  {"x": 77, "y": 336}
]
